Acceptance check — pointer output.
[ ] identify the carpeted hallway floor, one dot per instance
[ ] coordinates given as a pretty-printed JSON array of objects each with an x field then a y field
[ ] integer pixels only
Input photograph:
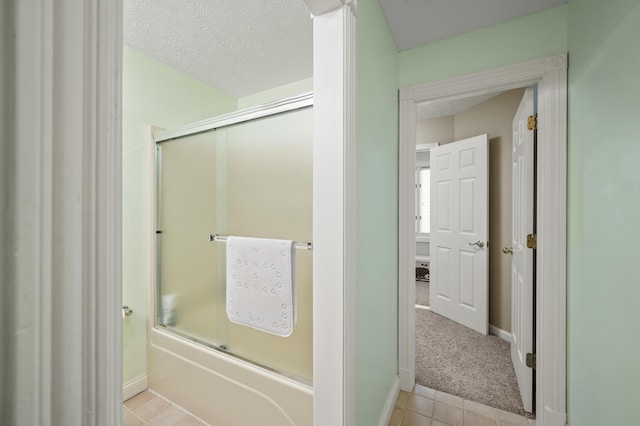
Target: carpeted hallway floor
[{"x": 455, "y": 359}]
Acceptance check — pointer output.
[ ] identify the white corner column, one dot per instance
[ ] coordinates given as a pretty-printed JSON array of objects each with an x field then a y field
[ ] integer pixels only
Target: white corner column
[
  {"x": 334, "y": 198},
  {"x": 65, "y": 285},
  {"x": 407, "y": 243}
]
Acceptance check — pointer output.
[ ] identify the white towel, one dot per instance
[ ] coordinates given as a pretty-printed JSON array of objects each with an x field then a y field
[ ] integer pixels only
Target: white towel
[{"x": 260, "y": 284}]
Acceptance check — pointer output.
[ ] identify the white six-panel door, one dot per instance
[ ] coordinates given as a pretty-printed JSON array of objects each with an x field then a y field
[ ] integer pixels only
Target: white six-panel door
[
  {"x": 459, "y": 231},
  {"x": 522, "y": 263}
]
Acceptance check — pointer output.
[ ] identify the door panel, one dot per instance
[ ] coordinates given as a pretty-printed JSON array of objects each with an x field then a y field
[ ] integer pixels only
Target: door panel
[
  {"x": 460, "y": 219},
  {"x": 522, "y": 261}
]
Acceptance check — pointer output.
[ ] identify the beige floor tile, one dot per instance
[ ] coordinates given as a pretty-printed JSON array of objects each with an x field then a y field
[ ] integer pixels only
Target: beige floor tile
[
  {"x": 138, "y": 400},
  {"x": 167, "y": 417},
  {"x": 402, "y": 399},
  {"x": 443, "y": 409},
  {"x": 130, "y": 419},
  {"x": 421, "y": 405},
  {"x": 448, "y": 414},
  {"x": 415, "y": 419},
  {"x": 505, "y": 418},
  {"x": 474, "y": 419},
  {"x": 481, "y": 409},
  {"x": 152, "y": 408},
  {"x": 425, "y": 391},
  {"x": 396, "y": 417},
  {"x": 447, "y": 398}
]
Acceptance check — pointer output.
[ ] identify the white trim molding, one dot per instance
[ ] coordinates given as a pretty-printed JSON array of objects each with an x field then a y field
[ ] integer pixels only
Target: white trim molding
[
  {"x": 67, "y": 232},
  {"x": 504, "y": 335},
  {"x": 7, "y": 101},
  {"x": 334, "y": 197},
  {"x": 407, "y": 245},
  {"x": 389, "y": 405},
  {"x": 551, "y": 267},
  {"x": 134, "y": 387},
  {"x": 550, "y": 75}
]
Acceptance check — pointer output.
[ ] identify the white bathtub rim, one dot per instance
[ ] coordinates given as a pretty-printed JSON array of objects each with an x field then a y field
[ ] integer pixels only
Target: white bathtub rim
[{"x": 264, "y": 372}]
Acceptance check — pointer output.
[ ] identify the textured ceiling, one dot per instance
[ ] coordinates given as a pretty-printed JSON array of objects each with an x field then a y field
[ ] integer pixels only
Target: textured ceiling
[
  {"x": 445, "y": 108},
  {"x": 246, "y": 46},
  {"x": 416, "y": 22},
  {"x": 238, "y": 46}
]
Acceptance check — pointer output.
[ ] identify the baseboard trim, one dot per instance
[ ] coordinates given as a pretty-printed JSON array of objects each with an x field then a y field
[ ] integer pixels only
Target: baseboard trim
[
  {"x": 134, "y": 387},
  {"x": 504, "y": 335},
  {"x": 390, "y": 404},
  {"x": 407, "y": 380}
]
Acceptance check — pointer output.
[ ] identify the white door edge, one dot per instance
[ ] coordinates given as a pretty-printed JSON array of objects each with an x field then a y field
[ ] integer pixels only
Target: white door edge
[{"x": 523, "y": 154}]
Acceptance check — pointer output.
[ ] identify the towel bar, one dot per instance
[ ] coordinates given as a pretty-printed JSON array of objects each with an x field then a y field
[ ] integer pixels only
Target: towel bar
[{"x": 223, "y": 239}]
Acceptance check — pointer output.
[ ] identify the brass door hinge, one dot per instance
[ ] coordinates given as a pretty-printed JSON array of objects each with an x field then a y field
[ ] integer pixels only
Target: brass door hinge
[
  {"x": 531, "y": 360},
  {"x": 532, "y": 122},
  {"x": 532, "y": 241}
]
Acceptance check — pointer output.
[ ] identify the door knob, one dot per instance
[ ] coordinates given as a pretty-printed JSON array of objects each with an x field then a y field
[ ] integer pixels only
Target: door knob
[
  {"x": 477, "y": 243},
  {"x": 507, "y": 250}
]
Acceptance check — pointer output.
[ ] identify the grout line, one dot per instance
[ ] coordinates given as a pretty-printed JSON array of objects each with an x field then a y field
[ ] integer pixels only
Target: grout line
[
  {"x": 494, "y": 410},
  {"x": 179, "y": 407},
  {"x": 135, "y": 415}
]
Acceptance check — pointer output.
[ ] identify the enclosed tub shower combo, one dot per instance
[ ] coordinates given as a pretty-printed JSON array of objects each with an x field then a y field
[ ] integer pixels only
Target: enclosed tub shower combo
[{"x": 231, "y": 335}]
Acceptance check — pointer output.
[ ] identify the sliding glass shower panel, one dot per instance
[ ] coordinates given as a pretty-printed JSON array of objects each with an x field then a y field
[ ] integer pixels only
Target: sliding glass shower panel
[
  {"x": 269, "y": 172},
  {"x": 252, "y": 179},
  {"x": 187, "y": 213}
]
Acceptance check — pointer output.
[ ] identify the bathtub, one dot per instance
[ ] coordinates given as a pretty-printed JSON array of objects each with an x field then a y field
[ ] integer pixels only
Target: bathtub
[{"x": 222, "y": 389}]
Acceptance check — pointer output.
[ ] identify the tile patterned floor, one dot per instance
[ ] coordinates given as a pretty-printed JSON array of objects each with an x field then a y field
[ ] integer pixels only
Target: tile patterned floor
[
  {"x": 422, "y": 407},
  {"x": 147, "y": 408},
  {"x": 428, "y": 407}
]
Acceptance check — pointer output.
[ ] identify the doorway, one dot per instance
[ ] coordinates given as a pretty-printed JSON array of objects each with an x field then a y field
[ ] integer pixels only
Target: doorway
[
  {"x": 550, "y": 76},
  {"x": 454, "y": 351}
]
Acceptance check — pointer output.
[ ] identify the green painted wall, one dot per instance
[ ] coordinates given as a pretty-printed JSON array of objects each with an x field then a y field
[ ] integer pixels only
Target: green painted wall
[
  {"x": 377, "y": 213},
  {"x": 153, "y": 94},
  {"x": 518, "y": 40},
  {"x": 604, "y": 213}
]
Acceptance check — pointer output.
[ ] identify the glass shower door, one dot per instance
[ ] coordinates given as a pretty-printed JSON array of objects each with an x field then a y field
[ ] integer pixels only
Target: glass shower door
[
  {"x": 187, "y": 211},
  {"x": 251, "y": 179},
  {"x": 270, "y": 195}
]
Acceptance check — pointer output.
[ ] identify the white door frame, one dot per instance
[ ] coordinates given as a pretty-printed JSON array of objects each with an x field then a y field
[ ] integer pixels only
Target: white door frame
[
  {"x": 66, "y": 243},
  {"x": 66, "y": 346},
  {"x": 550, "y": 74}
]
